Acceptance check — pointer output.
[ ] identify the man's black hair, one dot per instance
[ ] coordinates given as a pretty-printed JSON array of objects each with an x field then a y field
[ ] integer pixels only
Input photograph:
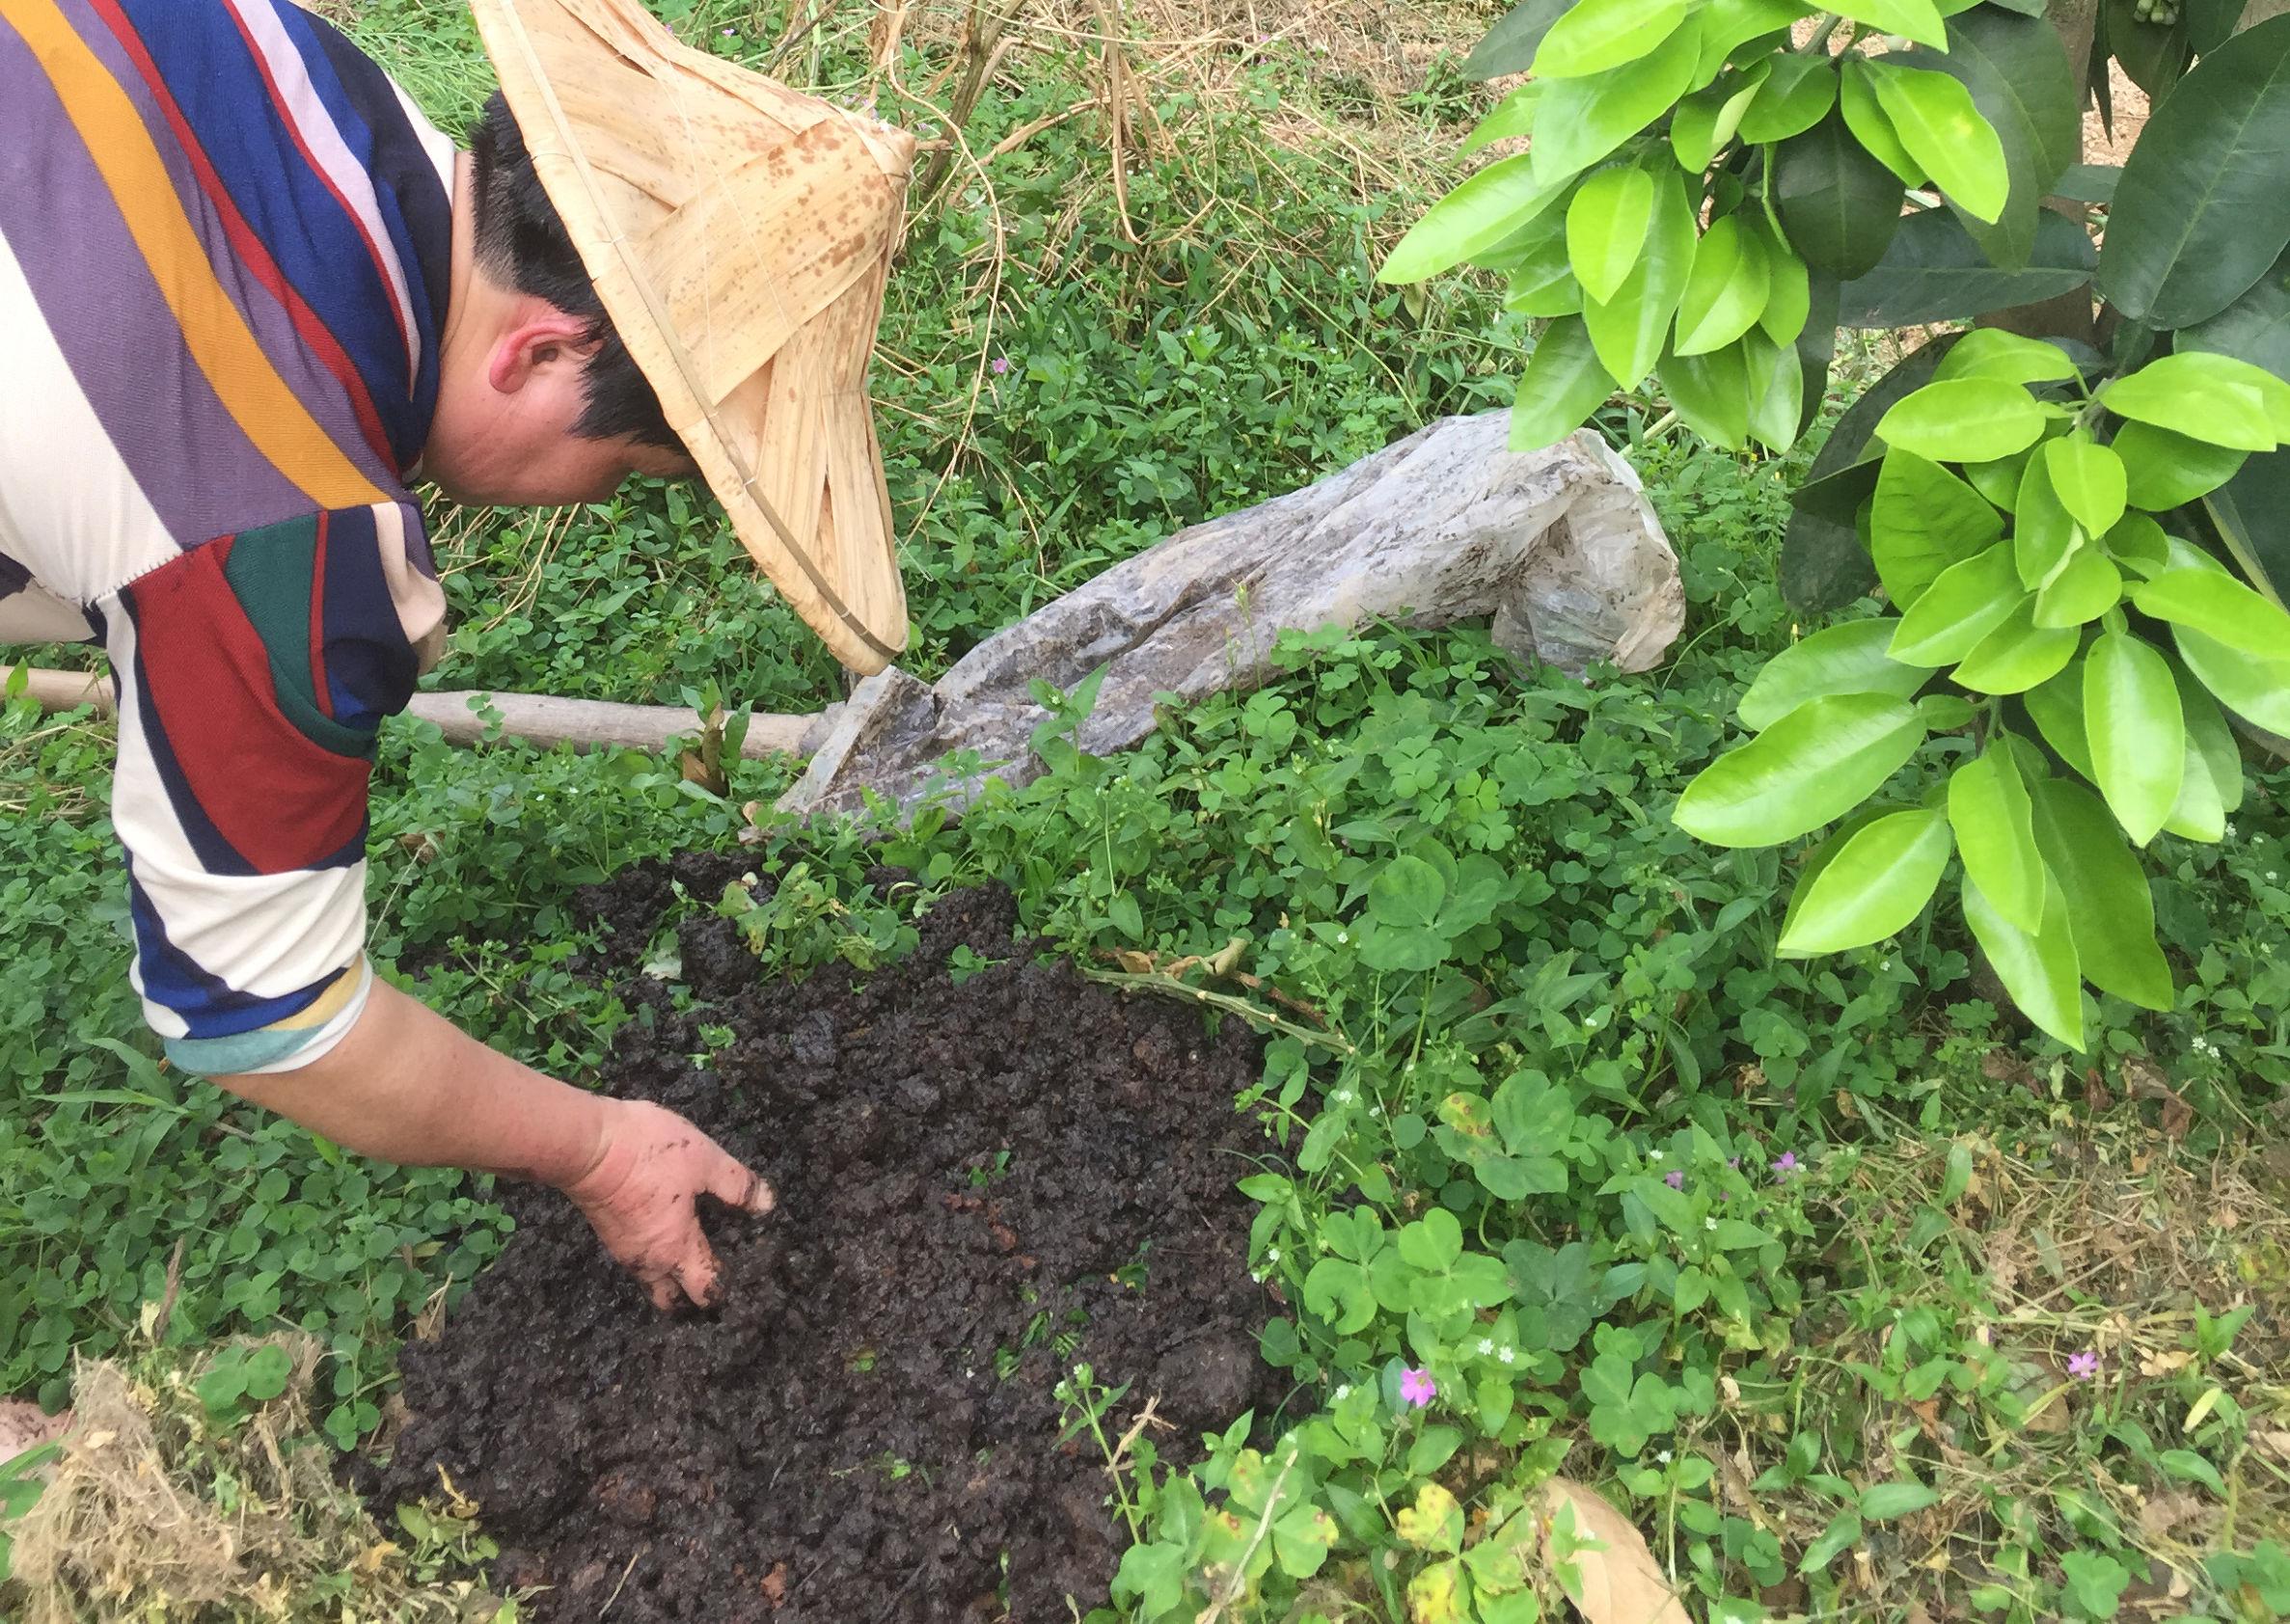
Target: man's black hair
[{"x": 521, "y": 243}]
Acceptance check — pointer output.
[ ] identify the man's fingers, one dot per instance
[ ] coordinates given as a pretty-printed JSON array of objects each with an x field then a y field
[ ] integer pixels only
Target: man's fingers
[
  {"x": 696, "y": 1273},
  {"x": 735, "y": 1186},
  {"x": 662, "y": 1290}
]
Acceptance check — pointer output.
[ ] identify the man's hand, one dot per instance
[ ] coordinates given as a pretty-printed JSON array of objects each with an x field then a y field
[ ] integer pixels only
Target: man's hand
[{"x": 642, "y": 1199}]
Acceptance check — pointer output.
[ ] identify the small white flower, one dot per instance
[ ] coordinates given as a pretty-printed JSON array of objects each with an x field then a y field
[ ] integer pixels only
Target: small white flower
[
  {"x": 1374, "y": 1110},
  {"x": 1342, "y": 1097},
  {"x": 1486, "y": 1345},
  {"x": 2230, "y": 831},
  {"x": 1508, "y": 1356},
  {"x": 1343, "y": 1392},
  {"x": 1884, "y": 963},
  {"x": 1343, "y": 937},
  {"x": 1257, "y": 1275},
  {"x": 1709, "y": 1223},
  {"x": 1662, "y": 1455},
  {"x": 1272, "y": 1254},
  {"x": 1654, "y": 1155},
  {"x": 2272, "y": 874}
]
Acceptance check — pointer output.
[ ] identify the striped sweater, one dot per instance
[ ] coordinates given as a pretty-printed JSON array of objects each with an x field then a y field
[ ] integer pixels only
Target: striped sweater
[{"x": 225, "y": 258}]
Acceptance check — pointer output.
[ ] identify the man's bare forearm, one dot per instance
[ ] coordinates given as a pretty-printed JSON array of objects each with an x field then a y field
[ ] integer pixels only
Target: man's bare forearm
[{"x": 408, "y": 1086}]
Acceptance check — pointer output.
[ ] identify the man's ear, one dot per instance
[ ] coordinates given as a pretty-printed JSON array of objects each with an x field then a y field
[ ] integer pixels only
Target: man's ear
[{"x": 534, "y": 346}]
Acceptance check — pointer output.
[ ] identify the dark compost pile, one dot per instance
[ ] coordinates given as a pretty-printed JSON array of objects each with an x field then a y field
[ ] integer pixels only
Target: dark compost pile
[{"x": 866, "y": 1428}]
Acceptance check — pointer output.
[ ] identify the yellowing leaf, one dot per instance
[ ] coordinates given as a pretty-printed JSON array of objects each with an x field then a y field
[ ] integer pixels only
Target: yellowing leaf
[
  {"x": 1434, "y": 1522},
  {"x": 1604, "y": 1562},
  {"x": 1435, "y": 1595}
]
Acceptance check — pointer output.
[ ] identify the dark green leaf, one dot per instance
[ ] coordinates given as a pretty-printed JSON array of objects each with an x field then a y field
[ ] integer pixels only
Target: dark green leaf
[
  {"x": 1510, "y": 46},
  {"x": 2252, "y": 512},
  {"x": 2153, "y": 56},
  {"x": 2211, "y": 24},
  {"x": 1823, "y": 565},
  {"x": 1839, "y": 205},
  {"x": 2089, "y": 183},
  {"x": 1934, "y": 271},
  {"x": 2202, "y": 211},
  {"x": 2111, "y": 915}
]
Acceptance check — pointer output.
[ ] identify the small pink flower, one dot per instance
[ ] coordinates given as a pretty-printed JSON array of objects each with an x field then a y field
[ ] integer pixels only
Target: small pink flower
[
  {"x": 1417, "y": 1388},
  {"x": 1002, "y": 364},
  {"x": 1675, "y": 1180},
  {"x": 2082, "y": 1366},
  {"x": 1786, "y": 1162}
]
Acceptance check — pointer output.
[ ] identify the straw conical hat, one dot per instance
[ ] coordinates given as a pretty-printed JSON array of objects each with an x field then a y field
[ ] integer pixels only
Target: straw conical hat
[{"x": 739, "y": 234}]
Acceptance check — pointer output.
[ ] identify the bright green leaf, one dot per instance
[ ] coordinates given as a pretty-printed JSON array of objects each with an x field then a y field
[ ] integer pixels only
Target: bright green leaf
[
  {"x": 1865, "y": 115},
  {"x": 1710, "y": 394},
  {"x": 2038, "y": 968},
  {"x": 1774, "y": 387},
  {"x": 1797, "y": 93},
  {"x": 2163, "y": 470},
  {"x": 2254, "y": 687},
  {"x": 2137, "y": 732},
  {"x": 2218, "y": 607},
  {"x": 1924, "y": 519},
  {"x": 1995, "y": 825},
  {"x": 1812, "y": 767},
  {"x": 1911, "y": 20},
  {"x": 1708, "y": 118},
  {"x": 1581, "y": 120},
  {"x": 1595, "y": 35},
  {"x": 1480, "y": 212},
  {"x": 1606, "y": 228},
  {"x": 2016, "y": 655},
  {"x": 1509, "y": 119},
  {"x": 1945, "y": 135},
  {"x": 2110, "y": 910},
  {"x": 1628, "y": 331},
  {"x": 2086, "y": 586},
  {"x": 2209, "y": 398},
  {"x": 1562, "y": 385},
  {"x": 1726, "y": 292},
  {"x": 2044, "y": 532},
  {"x": 1875, "y": 887},
  {"x": 1961, "y": 606},
  {"x": 2089, "y": 480},
  {"x": 1883, "y": 1501},
  {"x": 1964, "y": 420},
  {"x": 1990, "y": 352}
]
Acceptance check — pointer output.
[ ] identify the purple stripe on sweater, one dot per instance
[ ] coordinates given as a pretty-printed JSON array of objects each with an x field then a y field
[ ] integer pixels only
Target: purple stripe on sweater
[
  {"x": 106, "y": 312},
  {"x": 319, "y": 391}
]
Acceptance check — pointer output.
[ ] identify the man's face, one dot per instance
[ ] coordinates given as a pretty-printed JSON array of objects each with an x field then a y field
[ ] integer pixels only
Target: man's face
[{"x": 503, "y": 435}]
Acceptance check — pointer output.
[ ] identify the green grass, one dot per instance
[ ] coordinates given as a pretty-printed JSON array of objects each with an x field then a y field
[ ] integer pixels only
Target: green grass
[{"x": 1842, "y": 1389}]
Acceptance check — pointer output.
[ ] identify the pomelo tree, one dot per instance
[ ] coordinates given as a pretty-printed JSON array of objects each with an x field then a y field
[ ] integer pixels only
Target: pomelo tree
[{"x": 2077, "y": 511}]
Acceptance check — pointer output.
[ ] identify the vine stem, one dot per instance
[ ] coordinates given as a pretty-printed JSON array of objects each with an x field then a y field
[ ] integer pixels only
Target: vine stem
[{"x": 1818, "y": 44}]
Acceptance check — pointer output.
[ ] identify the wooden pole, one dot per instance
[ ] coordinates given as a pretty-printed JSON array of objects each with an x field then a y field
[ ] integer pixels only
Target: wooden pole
[{"x": 537, "y": 718}]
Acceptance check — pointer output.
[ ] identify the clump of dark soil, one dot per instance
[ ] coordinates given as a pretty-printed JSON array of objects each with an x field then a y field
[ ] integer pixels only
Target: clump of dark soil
[{"x": 980, "y": 1184}]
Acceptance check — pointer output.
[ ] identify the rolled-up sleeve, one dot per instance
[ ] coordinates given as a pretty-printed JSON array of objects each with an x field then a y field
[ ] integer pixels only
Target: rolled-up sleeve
[{"x": 254, "y": 673}]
